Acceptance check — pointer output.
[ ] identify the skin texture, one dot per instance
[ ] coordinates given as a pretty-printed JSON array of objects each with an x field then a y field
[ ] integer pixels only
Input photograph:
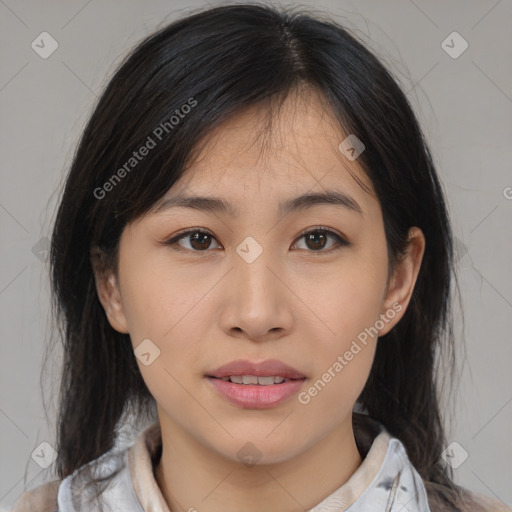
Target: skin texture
[{"x": 298, "y": 302}]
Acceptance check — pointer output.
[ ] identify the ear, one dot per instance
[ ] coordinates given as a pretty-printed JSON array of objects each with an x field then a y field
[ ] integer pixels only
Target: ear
[
  {"x": 403, "y": 280},
  {"x": 109, "y": 294}
]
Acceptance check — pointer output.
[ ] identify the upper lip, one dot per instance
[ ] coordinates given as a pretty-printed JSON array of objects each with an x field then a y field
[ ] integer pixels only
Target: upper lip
[{"x": 268, "y": 368}]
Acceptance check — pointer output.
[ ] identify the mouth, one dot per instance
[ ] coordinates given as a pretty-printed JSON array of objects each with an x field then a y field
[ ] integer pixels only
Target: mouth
[
  {"x": 256, "y": 396},
  {"x": 255, "y": 380},
  {"x": 256, "y": 385}
]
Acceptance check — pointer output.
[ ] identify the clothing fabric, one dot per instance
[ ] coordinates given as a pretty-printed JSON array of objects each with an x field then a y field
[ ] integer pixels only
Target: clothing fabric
[{"x": 386, "y": 481}]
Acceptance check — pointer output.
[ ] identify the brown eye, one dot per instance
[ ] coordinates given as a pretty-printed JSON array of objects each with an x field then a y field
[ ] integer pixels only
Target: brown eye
[
  {"x": 317, "y": 239},
  {"x": 199, "y": 240}
]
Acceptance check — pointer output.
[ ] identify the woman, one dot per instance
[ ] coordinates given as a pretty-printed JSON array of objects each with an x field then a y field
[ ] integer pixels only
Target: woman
[{"x": 253, "y": 240}]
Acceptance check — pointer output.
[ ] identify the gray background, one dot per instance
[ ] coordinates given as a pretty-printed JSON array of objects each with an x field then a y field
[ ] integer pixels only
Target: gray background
[{"x": 464, "y": 105}]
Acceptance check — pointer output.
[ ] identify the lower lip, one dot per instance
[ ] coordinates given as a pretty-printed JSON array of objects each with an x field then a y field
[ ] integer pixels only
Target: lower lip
[{"x": 255, "y": 396}]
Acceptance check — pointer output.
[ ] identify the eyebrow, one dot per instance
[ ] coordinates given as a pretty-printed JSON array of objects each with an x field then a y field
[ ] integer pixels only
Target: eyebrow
[{"x": 308, "y": 200}]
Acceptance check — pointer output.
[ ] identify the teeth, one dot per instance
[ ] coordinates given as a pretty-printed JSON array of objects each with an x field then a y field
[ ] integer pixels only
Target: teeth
[
  {"x": 265, "y": 381},
  {"x": 252, "y": 379}
]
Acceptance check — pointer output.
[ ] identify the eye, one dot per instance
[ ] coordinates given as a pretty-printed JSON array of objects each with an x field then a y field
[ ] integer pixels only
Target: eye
[
  {"x": 200, "y": 240},
  {"x": 316, "y": 239}
]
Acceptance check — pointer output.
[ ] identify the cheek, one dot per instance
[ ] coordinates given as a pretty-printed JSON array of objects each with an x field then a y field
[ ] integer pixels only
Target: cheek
[
  {"x": 155, "y": 296},
  {"x": 162, "y": 307},
  {"x": 349, "y": 304},
  {"x": 340, "y": 375},
  {"x": 349, "y": 300}
]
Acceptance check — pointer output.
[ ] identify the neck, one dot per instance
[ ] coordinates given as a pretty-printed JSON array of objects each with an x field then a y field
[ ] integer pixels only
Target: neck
[{"x": 192, "y": 476}]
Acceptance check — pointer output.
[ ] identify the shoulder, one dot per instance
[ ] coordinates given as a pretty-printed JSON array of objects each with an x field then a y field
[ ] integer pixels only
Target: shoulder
[
  {"x": 39, "y": 499},
  {"x": 74, "y": 488},
  {"x": 490, "y": 504}
]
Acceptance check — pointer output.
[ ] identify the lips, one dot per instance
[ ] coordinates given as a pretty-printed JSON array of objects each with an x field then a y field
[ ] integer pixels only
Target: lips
[
  {"x": 250, "y": 396},
  {"x": 244, "y": 368},
  {"x": 252, "y": 385}
]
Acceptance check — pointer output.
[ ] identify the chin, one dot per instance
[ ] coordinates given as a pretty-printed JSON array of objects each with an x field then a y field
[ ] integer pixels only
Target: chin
[{"x": 260, "y": 450}]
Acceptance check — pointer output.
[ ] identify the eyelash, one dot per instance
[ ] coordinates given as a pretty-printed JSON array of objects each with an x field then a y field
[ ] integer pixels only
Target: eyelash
[{"x": 341, "y": 242}]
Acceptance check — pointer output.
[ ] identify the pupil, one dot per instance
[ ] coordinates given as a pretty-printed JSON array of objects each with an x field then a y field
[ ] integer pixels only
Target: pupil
[
  {"x": 197, "y": 236},
  {"x": 315, "y": 234}
]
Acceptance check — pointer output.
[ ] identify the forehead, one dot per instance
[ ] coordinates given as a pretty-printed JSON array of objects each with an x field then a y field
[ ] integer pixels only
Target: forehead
[{"x": 274, "y": 154}]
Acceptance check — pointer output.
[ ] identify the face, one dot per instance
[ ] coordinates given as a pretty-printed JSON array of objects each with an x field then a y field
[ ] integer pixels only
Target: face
[{"x": 306, "y": 286}]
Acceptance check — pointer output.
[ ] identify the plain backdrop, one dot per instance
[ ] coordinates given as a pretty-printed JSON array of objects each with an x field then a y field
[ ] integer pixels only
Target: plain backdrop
[{"x": 464, "y": 104}]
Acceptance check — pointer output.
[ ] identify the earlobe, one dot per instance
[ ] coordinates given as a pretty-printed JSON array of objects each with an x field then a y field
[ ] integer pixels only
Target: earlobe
[
  {"x": 404, "y": 279},
  {"x": 109, "y": 295},
  {"x": 110, "y": 299}
]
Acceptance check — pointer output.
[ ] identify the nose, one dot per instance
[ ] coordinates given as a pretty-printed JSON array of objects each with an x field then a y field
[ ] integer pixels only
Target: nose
[{"x": 259, "y": 304}]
